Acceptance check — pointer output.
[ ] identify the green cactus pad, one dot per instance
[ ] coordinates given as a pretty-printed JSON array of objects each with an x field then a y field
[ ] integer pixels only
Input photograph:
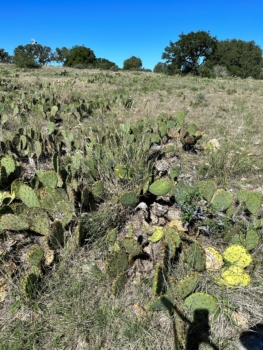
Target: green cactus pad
[
  {"x": 182, "y": 191},
  {"x": 192, "y": 129},
  {"x": 111, "y": 237},
  {"x": 38, "y": 148},
  {"x": 171, "y": 231},
  {"x": 28, "y": 196},
  {"x": 28, "y": 284},
  {"x": 171, "y": 245},
  {"x": 160, "y": 187},
  {"x": 56, "y": 238},
  {"x": 230, "y": 211},
  {"x": 164, "y": 302},
  {"x": 196, "y": 257},
  {"x": 252, "y": 239},
  {"x": 155, "y": 138},
  {"x": 242, "y": 195},
  {"x": 13, "y": 223},
  {"x": 97, "y": 188},
  {"x": 63, "y": 211},
  {"x": 180, "y": 119},
  {"x": 116, "y": 263},
  {"x": 159, "y": 280},
  {"x": 123, "y": 171},
  {"x": 119, "y": 283},
  {"x": 35, "y": 256},
  {"x": 50, "y": 199},
  {"x": 48, "y": 178},
  {"x": 131, "y": 246},
  {"x": 9, "y": 164},
  {"x": 187, "y": 285},
  {"x": 129, "y": 198},
  {"x": 175, "y": 172},
  {"x": 206, "y": 188},
  {"x": 169, "y": 149},
  {"x": 38, "y": 221},
  {"x": 80, "y": 233},
  {"x": 201, "y": 301},
  {"x": 15, "y": 187},
  {"x": 56, "y": 162},
  {"x": 253, "y": 202},
  {"x": 158, "y": 233},
  {"x": 222, "y": 199}
]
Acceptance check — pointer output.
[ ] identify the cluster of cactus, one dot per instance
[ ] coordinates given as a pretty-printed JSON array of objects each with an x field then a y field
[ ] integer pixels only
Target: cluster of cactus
[
  {"x": 181, "y": 293},
  {"x": 233, "y": 214}
]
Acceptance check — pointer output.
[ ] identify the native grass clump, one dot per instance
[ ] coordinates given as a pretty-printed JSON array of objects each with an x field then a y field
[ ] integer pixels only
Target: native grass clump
[{"x": 73, "y": 174}]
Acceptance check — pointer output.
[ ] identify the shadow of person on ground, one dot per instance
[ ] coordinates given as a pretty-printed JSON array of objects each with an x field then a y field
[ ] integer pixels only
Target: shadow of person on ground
[{"x": 199, "y": 329}]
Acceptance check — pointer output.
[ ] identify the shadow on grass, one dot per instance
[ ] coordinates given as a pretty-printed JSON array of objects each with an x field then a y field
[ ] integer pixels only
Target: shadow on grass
[{"x": 199, "y": 329}]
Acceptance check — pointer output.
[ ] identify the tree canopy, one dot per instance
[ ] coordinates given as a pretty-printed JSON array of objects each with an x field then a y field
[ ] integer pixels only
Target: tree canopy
[
  {"x": 132, "y": 63},
  {"x": 32, "y": 55},
  {"x": 190, "y": 51},
  {"x": 241, "y": 58},
  {"x": 5, "y": 57},
  {"x": 80, "y": 55}
]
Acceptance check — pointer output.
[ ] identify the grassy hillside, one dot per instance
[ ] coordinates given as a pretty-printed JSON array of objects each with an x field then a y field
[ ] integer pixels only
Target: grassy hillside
[{"x": 80, "y": 149}]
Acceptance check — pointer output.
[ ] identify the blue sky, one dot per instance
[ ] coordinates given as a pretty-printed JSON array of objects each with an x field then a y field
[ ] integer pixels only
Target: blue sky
[{"x": 119, "y": 29}]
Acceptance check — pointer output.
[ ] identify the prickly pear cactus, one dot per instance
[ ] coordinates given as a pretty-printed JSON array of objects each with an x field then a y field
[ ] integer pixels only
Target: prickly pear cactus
[
  {"x": 187, "y": 285},
  {"x": 35, "y": 256},
  {"x": 48, "y": 178},
  {"x": 119, "y": 283},
  {"x": 160, "y": 187},
  {"x": 222, "y": 199},
  {"x": 158, "y": 233},
  {"x": 28, "y": 196},
  {"x": 111, "y": 237},
  {"x": 28, "y": 283},
  {"x": 123, "y": 171},
  {"x": 13, "y": 223},
  {"x": 129, "y": 199},
  {"x": 9, "y": 164},
  {"x": 116, "y": 263},
  {"x": 206, "y": 188},
  {"x": 196, "y": 257},
  {"x": 237, "y": 254},
  {"x": 252, "y": 239},
  {"x": 38, "y": 221},
  {"x": 56, "y": 237},
  {"x": 159, "y": 280},
  {"x": 97, "y": 188},
  {"x": 131, "y": 246},
  {"x": 163, "y": 302},
  {"x": 201, "y": 301},
  {"x": 253, "y": 202}
]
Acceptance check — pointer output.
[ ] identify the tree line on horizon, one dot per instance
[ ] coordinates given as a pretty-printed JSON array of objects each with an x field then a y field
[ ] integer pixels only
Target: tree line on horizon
[{"x": 196, "y": 53}]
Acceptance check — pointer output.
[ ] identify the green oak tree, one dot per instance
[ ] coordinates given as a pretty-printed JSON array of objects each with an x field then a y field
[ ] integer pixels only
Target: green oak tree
[
  {"x": 132, "y": 63},
  {"x": 32, "y": 55},
  {"x": 240, "y": 58},
  {"x": 80, "y": 55},
  {"x": 5, "y": 57},
  {"x": 189, "y": 52}
]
